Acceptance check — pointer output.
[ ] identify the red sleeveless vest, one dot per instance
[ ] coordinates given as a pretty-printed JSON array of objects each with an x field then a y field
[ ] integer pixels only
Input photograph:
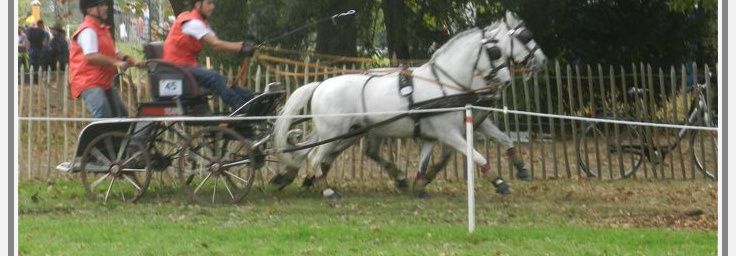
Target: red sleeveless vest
[
  {"x": 179, "y": 48},
  {"x": 84, "y": 75}
]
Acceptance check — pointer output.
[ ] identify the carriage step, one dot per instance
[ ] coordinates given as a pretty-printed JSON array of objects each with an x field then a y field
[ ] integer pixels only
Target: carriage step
[{"x": 68, "y": 168}]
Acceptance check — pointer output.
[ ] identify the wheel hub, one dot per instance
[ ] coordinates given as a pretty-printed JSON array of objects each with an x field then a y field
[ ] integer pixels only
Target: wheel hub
[
  {"x": 216, "y": 168},
  {"x": 116, "y": 170}
]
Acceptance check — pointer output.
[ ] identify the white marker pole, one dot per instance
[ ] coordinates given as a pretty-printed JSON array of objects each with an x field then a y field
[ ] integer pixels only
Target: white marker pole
[{"x": 471, "y": 167}]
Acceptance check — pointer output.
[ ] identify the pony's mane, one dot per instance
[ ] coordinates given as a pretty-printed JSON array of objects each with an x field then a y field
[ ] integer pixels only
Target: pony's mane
[
  {"x": 496, "y": 24},
  {"x": 452, "y": 41}
]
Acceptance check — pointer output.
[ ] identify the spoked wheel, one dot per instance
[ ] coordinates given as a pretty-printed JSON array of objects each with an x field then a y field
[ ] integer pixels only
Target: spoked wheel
[
  {"x": 115, "y": 168},
  {"x": 615, "y": 154},
  {"x": 164, "y": 161},
  {"x": 704, "y": 150},
  {"x": 218, "y": 166}
]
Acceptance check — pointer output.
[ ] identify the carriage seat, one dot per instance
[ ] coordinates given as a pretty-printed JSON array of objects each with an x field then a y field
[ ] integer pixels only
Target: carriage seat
[
  {"x": 168, "y": 80},
  {"x": 175, "y": 91}
]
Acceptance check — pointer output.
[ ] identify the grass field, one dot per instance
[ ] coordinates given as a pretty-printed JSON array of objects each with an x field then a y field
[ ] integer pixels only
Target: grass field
[{"x": 541, "y": 218}]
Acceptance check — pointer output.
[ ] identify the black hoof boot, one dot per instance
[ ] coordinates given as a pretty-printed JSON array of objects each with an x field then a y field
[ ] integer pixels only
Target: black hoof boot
[
  {"x": 421, "y": 194},
  {"x": 401, "y": 184},
  {"x": 501, "y": 187},
  {"x": 280, "y": 181},
  {"x": 308, "y": 181},
  {"x": 331, "y": 194},
  {"x": 523, "y": 174}
]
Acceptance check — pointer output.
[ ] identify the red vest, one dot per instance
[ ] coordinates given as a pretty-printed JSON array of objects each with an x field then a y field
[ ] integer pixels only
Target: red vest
[
  {"x": 84, "y": 75},
  {"x": 179, "y": 48}
]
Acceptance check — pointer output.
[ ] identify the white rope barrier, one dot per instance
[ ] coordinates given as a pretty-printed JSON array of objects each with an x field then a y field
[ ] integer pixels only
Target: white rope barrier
[
  {"x": 438, "y": 110},
  {"x": 599, "y": 120},
  {"x": 226, "y": 118}
]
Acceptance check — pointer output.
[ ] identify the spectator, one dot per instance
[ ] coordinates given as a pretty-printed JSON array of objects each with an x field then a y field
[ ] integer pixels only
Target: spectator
[
  {"x": 59, "y": 48},
  {"x": 39, "y": 41},
  {"x": 23, "y": 46}
]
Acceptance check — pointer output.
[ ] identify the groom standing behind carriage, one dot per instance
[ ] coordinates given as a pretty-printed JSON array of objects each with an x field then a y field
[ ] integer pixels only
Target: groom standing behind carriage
[
  {"x": 93, "y": 60},
  {"x": 184, "y": 42}
]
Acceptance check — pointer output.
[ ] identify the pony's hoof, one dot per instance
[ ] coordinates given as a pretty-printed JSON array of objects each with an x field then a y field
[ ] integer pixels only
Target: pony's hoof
[
  {"x": 331, "y": 194},
  {"x": 401, "y": 185},
  {"x": 523, "y": 174},
  {"x": 501, "y": 187},
  {"x": 308, "y": 181},
  {"x": 421, "y": 194},
  {"x": 279, "y": 182}
]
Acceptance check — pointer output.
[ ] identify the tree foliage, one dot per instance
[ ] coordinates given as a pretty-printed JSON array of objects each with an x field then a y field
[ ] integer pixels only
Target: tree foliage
[
  {"x": 661, "y": 32},
  {"x": 618, "y": 32}
]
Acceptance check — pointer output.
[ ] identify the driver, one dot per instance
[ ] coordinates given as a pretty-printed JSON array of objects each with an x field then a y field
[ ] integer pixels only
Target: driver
[{"x": 184, "y": 42}]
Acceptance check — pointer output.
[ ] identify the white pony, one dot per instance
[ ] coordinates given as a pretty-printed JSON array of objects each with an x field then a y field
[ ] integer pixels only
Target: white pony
[
  {"x": 527, "y": 53},
  {"x": 515, "y": 42},
  {"x": 466, "y": 64}
]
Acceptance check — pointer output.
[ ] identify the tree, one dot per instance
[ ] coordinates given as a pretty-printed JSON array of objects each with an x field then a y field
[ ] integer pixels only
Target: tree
[
  {"x": 340, "y": 37},
  {"x": 395, "y": 13},
  {"x": 179, "y": 6},
  {"x": 614, "y": 32}
]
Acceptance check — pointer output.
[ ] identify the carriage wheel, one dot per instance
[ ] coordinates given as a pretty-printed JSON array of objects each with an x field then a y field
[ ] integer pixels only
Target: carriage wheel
[
  {"x": 218, "y": 166},
  {"x": 164, "y": 160},
  {"x": 114, "y": 168}
]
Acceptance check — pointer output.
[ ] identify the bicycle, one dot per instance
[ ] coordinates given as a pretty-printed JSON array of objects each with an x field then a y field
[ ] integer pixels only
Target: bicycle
[{"x": 633, "y": 144}]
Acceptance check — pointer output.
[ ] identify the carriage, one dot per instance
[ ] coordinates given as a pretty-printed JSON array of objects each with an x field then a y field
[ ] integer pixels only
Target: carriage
[{"x": 214, "y": 156}]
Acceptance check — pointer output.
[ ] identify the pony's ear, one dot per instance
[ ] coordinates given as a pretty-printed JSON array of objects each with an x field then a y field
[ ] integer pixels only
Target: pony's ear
[
  {"x": 494, "y": 52},
  {"x": 511, "y": 16}
]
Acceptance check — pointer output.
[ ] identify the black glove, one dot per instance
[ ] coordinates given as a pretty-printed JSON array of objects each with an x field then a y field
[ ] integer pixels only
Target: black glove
[{"x": 247, "y": 49}]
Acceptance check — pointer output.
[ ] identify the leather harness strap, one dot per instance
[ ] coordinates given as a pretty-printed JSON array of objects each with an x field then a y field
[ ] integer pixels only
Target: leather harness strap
[{"x": 406, "y": 79}]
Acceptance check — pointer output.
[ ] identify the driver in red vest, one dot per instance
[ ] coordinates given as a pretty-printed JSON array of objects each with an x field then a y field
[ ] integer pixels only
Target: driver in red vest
[
  {"x": 185, "y": 40},
  {"x": 93, "y": 60}
]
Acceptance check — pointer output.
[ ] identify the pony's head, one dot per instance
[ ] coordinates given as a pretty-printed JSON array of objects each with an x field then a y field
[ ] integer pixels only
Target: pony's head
[
  {"x": 516, "y": 42},
  {"x": 471, "y": 57}
]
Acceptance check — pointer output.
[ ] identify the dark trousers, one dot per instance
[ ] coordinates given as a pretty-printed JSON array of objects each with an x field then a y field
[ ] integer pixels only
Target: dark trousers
[{"x": 233, "y": 97}]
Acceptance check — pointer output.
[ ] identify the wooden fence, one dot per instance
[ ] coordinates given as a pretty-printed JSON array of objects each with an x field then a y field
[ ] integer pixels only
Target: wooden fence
[{"x": 547, "y": 145}]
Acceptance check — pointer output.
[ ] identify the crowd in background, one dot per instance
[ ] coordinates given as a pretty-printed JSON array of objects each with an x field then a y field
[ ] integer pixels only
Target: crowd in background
[{"x": 40, "y": 46}]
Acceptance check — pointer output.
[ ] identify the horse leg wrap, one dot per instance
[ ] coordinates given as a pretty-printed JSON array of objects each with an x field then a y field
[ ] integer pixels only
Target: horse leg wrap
[
  {"x": 280, "y": 180},
  {"x": 420, "y": 182},
  {"x": 514, "y": 157},
  {"x": 312, "y": 181},
  {"x": 485, "y": 169},
  {"x": 521, "y": 172}
]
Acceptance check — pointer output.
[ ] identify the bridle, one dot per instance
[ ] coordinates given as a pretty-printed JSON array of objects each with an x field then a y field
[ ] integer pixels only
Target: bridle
[
  {"x": 524, "y": 36},
  {"x": 493, "y": 53}
]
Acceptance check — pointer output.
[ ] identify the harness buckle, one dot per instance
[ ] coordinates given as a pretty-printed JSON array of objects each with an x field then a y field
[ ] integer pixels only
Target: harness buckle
[{"x": 406, "y": 84}]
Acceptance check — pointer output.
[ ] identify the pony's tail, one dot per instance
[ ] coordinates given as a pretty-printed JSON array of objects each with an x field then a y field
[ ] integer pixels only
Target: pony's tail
[{"x": 296, "y": 102}]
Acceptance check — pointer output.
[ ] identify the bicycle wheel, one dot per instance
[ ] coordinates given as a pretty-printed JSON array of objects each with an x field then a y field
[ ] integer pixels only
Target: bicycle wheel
[
  {"x": 617, "y": 154},
  {"x": 114, "y": 168},
  {"x": 704, "y": 151},
  {"x": 217, "y": 166}
]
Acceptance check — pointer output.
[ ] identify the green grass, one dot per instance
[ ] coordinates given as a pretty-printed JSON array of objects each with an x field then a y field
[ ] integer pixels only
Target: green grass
[{"x": 541, "y": 218}]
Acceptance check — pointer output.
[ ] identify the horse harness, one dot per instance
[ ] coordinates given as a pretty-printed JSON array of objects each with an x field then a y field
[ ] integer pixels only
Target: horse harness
[
  {"x": 406, "y": 89},
  {"x": 406, "y": 86}
]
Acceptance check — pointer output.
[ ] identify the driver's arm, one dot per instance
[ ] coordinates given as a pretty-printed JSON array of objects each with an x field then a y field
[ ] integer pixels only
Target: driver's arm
[{"x": 212, "y": 40}]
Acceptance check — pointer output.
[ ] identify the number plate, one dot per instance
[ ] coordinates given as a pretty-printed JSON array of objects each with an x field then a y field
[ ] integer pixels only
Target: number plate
[{"x": 170, "y": 87}]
